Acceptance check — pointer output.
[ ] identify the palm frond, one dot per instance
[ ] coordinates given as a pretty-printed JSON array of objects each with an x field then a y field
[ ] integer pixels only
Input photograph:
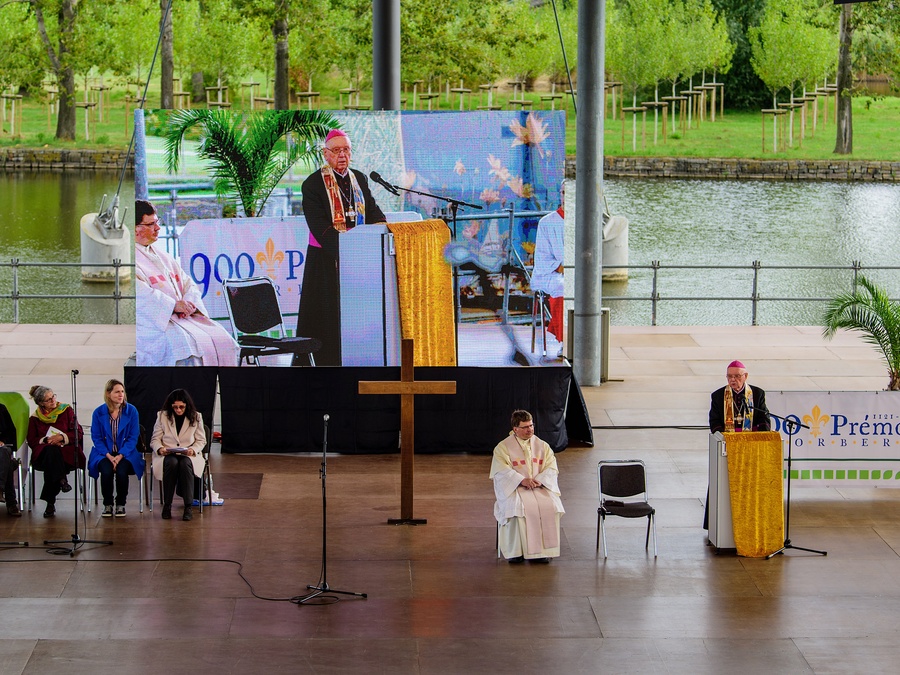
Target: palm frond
[
  {"x": 246, "y": 155},
  {"x": 870, "y": 311}
]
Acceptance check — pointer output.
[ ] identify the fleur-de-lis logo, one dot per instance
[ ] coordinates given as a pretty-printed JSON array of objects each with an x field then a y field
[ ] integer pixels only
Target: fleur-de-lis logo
[
  {"x": 270, "y": 258},
  {"x": 816, "y": 421}
]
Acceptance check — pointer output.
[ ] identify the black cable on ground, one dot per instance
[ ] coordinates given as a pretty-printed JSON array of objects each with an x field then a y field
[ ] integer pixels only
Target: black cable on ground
[{"x": 239, "y": 565}]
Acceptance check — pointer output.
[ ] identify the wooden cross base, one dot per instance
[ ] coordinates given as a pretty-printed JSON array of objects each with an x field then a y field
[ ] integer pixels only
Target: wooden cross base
[
  {"x": 407, "y": 387},
  {"x": 407, "y": 521}
]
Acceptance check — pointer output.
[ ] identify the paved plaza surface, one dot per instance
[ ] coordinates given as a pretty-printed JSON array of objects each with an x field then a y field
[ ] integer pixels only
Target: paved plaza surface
[{"x": 439, "y": 600}]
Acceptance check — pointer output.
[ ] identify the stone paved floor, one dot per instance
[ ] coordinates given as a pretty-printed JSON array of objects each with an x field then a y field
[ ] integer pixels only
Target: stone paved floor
[{"x": 439, "y": 600}]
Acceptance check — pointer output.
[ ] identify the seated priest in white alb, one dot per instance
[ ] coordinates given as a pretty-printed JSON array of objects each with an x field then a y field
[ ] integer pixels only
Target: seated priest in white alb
[
  {"x": 173, "y": 326},
  {"x": 526, "y": 485}
]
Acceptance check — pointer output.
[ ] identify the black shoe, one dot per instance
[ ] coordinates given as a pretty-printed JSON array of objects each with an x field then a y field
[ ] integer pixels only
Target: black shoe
[
  {"x": 540, "y": 561},
  {"x": 515, "y": 561},
  {"x": 50, "y": 511},
  {"x": 64, "y": 485},
  {"x": 167, "y": 512},
  {"x": 107, "y": 511},
  {"x": 13, "y": 510},
  {"x": 188, "y": 513}
]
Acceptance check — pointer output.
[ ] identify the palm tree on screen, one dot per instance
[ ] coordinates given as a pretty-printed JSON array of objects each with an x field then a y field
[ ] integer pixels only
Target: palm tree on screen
[
  {"x": 869, "y": 310},
  {"x": 248, "y": 154}
]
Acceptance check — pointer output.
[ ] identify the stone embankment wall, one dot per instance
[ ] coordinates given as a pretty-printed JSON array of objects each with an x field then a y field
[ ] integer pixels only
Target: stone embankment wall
[
  {"x": 767, "y": 169},
  {"x": 58, "y": 159},
  {"x": 61, "y": 159}
]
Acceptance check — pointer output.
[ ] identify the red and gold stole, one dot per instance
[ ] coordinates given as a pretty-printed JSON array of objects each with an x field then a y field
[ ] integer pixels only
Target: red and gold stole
[
  {"x": 338, "y": 218},
  {"x": 729, "y": 409}
]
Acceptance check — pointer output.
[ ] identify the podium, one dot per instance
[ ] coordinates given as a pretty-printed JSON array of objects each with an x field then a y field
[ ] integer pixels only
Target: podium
[
  {"x": 370, "y": 314},
  {"x": 746, "y": 496},
  {"x": 395, "y": 282}
]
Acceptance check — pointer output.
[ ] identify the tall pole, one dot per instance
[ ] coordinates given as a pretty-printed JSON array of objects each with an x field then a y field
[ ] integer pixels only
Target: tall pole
[
  {"x": 386, "y": 54},
  {"x": 589, "y": 193},
  {"x": 141, "y": 183}
]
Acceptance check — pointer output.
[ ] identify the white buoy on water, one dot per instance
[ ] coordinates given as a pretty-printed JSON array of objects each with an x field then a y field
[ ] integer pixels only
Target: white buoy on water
[
  {"x": 104, "y": 239},
  {"x": 615, "y": 248}
]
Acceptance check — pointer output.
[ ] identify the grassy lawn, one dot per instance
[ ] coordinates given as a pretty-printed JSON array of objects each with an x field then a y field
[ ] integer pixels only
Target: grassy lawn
[{"x": 876, "y": 128}]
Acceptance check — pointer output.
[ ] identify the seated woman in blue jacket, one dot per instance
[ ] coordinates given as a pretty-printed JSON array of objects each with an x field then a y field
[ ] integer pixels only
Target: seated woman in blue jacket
[{"x": 114, "y": 431}]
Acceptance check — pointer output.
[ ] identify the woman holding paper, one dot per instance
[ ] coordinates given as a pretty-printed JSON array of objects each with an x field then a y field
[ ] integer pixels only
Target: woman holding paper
[
  {"x": 52, "y": 437},
  {"x": 177, "y": 443},
  {"x": 114, "y": 430}
]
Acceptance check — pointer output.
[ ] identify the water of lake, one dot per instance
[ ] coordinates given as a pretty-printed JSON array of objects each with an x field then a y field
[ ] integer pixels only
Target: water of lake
[
  {"x": 40, "y": 215},
  {"x": 687, "y": 222}
]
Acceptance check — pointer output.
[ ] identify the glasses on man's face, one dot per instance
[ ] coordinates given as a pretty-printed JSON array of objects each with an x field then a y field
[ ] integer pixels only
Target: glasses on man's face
[
  {"x": 339, "y": 151},
  {"x": 734, "y": 377},
  {"x": 526, "y": 427},
  {"x": 152, "y": 223}
]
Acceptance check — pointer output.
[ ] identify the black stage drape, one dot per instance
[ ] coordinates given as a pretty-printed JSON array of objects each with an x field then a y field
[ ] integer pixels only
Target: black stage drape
[
  {"x": 281, "y": 409},
  {"x": 147, "y": 389}
]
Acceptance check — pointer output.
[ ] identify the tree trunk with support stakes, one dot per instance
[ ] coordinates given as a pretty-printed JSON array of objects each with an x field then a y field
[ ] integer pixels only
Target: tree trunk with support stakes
[
  {"x": 62, "y": 68},
  {"x": 167, "y": 59},
  {"x": 280, "y": 32},
  {"x": 844, "y": 142}
]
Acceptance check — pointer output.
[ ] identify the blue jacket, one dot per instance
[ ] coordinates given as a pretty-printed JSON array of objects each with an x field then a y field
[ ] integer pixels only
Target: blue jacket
[{"x": 101, "y": 435}]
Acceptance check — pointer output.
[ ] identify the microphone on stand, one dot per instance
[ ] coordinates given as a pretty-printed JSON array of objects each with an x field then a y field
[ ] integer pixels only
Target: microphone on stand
[
  {"x": 74, "y": 372},
  {"x": 383, "y": 183},
  {"x": 326, "y": 417}
]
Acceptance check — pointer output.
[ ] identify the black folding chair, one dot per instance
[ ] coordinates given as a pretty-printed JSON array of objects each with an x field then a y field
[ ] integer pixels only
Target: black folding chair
[
  {"x": 619, "y": 479},
  {"x": 255, "y": 314}
]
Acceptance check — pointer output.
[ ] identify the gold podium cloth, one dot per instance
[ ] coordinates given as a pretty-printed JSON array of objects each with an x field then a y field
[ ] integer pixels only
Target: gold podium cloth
[
  {"x": 756, "y": 483},
  {"x": 425, "y": 288}
]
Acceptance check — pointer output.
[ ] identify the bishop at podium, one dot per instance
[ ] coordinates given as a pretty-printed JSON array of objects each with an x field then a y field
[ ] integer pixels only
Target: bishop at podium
[{"x": 336, "y": 199}]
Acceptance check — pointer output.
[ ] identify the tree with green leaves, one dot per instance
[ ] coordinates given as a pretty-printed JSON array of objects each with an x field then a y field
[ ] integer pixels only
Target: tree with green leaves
[
  {"x": 632, "y": 54},
  {"x": 772, "y": 45},
  {"x": 127, "y": 52},
  {"x": 21, "y": 55},
  {"x": 312, "y": 30},
  {"x": 60, "y": 48},
  {"x": 745, "y": 89},
  {"x": 248, "y": 155},
  {"x": 871, "y": 312},
  {"x": 709, "y": 34}
]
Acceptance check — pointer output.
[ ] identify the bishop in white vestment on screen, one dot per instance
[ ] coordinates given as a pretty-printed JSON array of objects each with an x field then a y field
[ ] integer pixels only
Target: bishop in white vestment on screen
[
  {"x": 173, "y": 325},
  {"x": 526, "y": 485}
]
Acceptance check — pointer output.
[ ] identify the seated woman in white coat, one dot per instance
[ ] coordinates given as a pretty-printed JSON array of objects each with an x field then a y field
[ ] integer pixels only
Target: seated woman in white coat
[
  {"x": 177, "y": 443},
  {"x": 526, "y": 485}
]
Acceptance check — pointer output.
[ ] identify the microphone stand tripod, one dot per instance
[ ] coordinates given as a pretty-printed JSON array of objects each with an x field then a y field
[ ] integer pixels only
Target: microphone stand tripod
[
  {"x": 323, "y": 586},
  {"x": 76, "y": 541},
  {"x": 452, "y": 207},
  {"x": 791, "y": 427}
]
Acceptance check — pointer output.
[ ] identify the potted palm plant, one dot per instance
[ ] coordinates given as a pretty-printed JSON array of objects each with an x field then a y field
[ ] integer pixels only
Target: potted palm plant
[
  {"x": 869, "y": 310},
  {"x": 249, "y": 154}
]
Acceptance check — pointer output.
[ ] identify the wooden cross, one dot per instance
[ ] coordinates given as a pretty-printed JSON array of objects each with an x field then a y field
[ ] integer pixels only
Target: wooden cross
[{"x": 407, "y": 387}]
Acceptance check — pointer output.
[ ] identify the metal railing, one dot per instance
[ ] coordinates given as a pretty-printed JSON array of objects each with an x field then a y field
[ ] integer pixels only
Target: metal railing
[
  {"x": 755, "y": 298},
  {"x": 17, "y": 296},
  {"x": 655, "y": 298}
]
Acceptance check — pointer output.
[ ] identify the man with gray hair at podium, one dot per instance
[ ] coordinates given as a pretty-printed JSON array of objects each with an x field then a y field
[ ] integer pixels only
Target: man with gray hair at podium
[
  {"x": 336, "y": 199},
  {"x": 738, "y": 406},
  {"x": 526, "y": 485}
]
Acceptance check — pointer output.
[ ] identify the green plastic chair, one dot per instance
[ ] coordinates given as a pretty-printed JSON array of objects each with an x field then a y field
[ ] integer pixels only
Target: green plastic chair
[{"x": 19, "y": 411}]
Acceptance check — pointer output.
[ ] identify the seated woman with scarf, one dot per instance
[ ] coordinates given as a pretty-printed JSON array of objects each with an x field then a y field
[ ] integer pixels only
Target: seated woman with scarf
[{"x": 56, "y": 443}]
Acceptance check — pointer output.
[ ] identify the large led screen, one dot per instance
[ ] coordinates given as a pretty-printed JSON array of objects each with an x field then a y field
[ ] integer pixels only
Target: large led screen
[{"x": 481, "y": 289}]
